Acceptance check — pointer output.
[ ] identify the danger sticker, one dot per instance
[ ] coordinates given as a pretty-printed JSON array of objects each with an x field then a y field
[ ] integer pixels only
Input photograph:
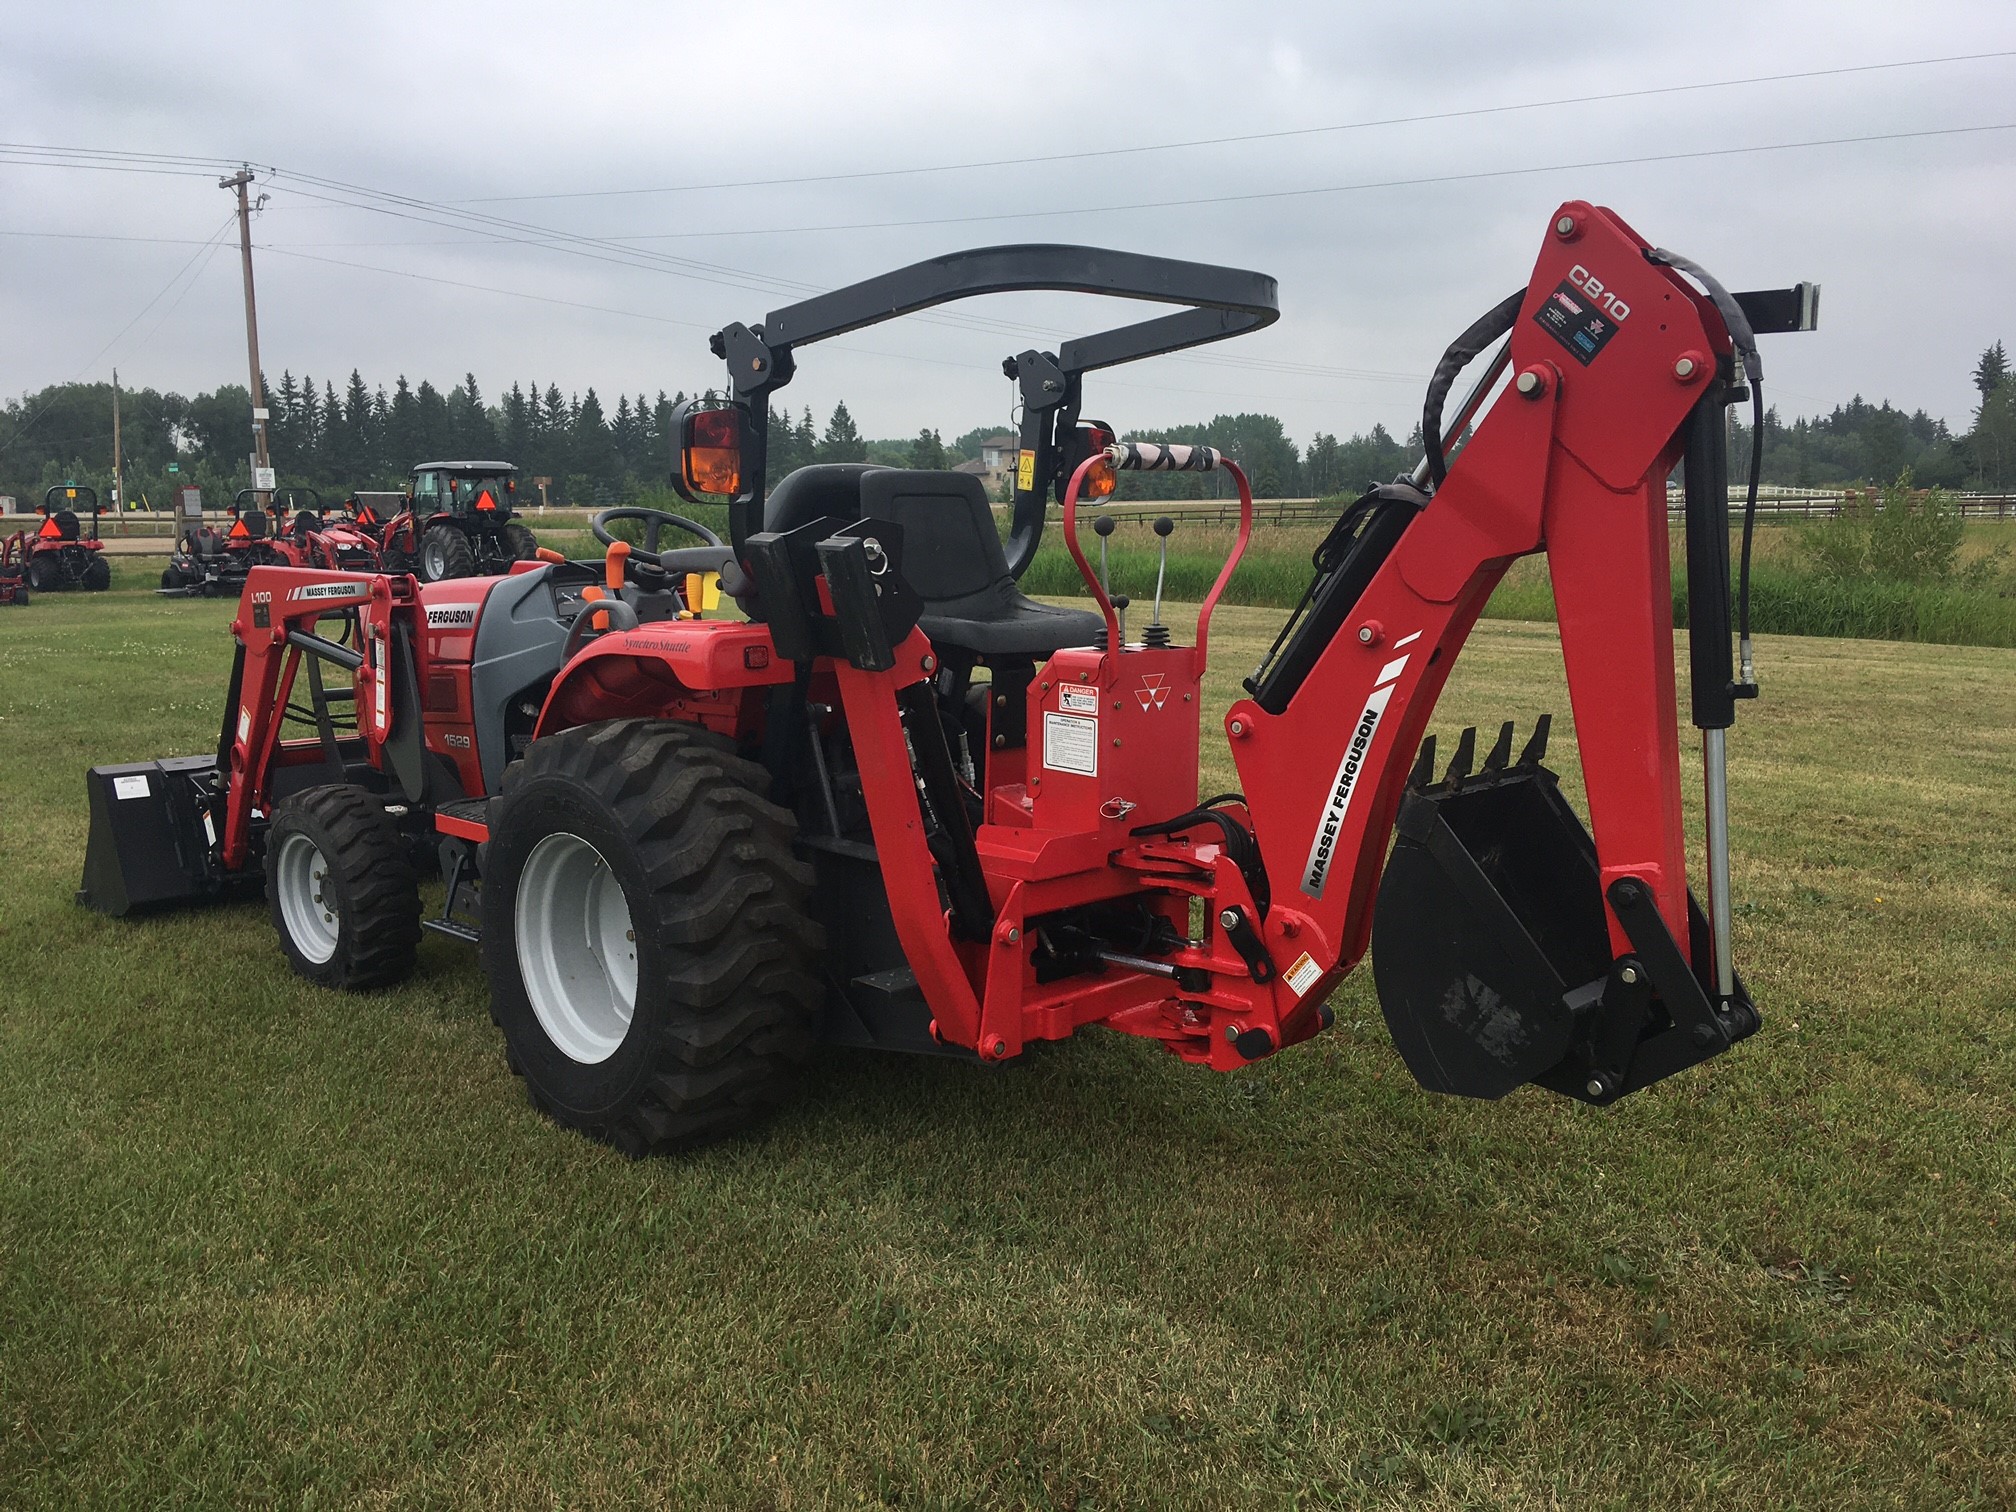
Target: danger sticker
[
  {"x": 1079, "y": 701},
  {"x": 1303, "y": 975},
  {"x": 1071, "y": 744},
  {"x": 1025, "y": 471},
  {"x": 130, "y": 787}
]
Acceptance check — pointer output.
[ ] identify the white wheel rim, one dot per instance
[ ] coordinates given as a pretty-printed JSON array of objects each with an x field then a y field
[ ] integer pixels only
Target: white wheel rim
[
  {"x": 577, "y": 951},
  {"x": 307, "y": 901},
  {"x": 434, "y": 557}
]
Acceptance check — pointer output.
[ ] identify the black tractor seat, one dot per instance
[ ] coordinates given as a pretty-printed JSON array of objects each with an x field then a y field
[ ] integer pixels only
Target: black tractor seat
[{"x": 952, "y": 555}]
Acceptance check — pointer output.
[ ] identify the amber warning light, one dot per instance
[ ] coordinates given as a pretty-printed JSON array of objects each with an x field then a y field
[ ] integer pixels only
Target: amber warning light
[{"x": 712, "y": 454}]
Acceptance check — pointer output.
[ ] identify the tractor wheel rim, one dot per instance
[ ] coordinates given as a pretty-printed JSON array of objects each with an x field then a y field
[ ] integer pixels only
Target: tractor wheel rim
[
  {"x": 577, "y": 950},
  {"x": 434, "y": 557},
  {"x": 307, "y": 900}
]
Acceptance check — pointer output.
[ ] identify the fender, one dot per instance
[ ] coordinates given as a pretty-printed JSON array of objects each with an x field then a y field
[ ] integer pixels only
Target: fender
[{"x": 707, "y": 671}]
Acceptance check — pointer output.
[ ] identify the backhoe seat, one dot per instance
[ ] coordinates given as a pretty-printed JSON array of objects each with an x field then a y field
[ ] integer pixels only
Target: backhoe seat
[{"x": 952, "y": 555}]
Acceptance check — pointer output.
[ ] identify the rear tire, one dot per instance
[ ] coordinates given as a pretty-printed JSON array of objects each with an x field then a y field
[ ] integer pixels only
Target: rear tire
[
  {"x": 173, "y": 580},
  {"x": 523, "y": 544},
  {"x": 43, "y": 575},
  {"x": 97, "y": 575},
  {"x": 445, "y": 553},
  {"x": 342, "y": 890},
  {"x": 656, "y": 837}
]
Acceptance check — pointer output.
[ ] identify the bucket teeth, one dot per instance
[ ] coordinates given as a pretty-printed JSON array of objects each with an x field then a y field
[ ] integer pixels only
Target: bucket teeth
[
  {"x": 1536, "y": 747},
  {"x": 1501, "y": 749},
  {"x": 1465, "y": 757},
  {"x": 1423, "y": 774}
]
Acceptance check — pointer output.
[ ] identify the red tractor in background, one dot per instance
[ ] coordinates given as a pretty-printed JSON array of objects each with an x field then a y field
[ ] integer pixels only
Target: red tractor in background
[
  {"x": 13, "y": 559},
  {"x": 269, "y": 528},
  {"x": 903, "y": 805},
  {"x": 59, "y": 555},
  {"x": 460, "y": 521}
]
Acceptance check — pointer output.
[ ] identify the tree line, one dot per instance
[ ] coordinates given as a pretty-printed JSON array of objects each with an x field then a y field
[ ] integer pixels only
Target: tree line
[{"x": 594, "y": 453}]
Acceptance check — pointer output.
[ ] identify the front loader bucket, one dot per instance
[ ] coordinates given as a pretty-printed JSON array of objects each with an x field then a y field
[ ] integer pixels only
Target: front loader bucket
[
  {"x": 152, "y": 834},
  {"x": 1491, "y": 950}
]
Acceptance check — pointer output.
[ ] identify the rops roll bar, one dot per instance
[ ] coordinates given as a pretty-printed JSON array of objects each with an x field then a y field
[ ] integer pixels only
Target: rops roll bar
[{"x": 1223, "y": 302}]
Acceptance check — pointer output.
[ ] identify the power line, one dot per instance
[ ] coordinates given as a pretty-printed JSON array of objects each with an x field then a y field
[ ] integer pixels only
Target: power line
[
  {"x": 1254, "y": 136},
  {"x": 1397, "y": 183}
]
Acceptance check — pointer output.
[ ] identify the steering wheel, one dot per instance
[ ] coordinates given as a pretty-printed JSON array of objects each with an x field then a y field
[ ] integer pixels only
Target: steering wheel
[{"x": 707, "y": 558}]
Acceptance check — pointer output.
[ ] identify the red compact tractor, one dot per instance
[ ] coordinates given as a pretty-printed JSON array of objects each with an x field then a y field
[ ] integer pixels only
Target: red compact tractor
[
  {"x": 13, "y": 562},
  {"x": 269, "y": 528},
  {"x": 59, "y": 555},
  {"x": 903, "y": 805}
]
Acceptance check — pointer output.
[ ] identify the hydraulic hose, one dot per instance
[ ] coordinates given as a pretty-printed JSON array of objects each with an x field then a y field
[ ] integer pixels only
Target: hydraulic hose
[{"x": 1462, "y": 352}]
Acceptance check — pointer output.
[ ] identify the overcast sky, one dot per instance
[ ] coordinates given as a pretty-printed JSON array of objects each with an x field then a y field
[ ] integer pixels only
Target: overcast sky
[{"x": 482, "y": 107}]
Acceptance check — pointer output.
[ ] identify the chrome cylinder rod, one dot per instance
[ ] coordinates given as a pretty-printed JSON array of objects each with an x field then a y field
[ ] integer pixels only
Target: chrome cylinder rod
[{"x": 1715, "y": 769}]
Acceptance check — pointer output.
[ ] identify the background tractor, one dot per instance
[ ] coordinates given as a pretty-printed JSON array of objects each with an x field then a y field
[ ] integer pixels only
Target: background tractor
[
  {"x": 59, "y": 555},
  {"x": 460, "y": 520},
  {"x": 13, "y": 562},
  {"x": 902, "y": 805},
  {"x": 269, "y": 528}
]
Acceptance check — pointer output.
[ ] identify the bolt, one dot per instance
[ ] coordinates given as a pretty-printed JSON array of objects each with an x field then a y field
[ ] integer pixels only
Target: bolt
[
  {"x": 1000, "y": 742},
  {"x": 1231, "y": 1032},
  {"x": 1000, "y": 700},
  {"x": 1229, "y": 918},
  {"x": 1684, "y": 369},
  {"x": 1531, "y": 384},
  {"x": 998, "y": 1047},
  {"x": 1365, "y": 635},
  {"x": 1186, "y": 698},
  {"x": 1628, "y": 976},
  {"x": 930, "y": 664},
  {"x": 1565, "y": 226},
  {"x": 630, "y": 935},
  {"x": 1116, "y": 745},
  {"x": 1238, "y": 727},
  {"x": 1014, "y": 934},
  {"x": 1595, "y": 1087}
]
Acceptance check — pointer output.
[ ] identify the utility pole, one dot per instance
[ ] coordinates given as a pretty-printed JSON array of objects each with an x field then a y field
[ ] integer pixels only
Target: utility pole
[
  {"x": 118, "y": 472},
  {"x": 260, "y": 459}
]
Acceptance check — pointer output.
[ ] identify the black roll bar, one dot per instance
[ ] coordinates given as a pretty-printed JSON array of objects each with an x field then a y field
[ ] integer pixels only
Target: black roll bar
[{"x": 1224, "y": 302}]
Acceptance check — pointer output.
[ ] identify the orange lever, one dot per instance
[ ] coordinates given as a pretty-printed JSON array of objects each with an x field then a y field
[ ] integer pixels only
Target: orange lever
[
  {"x": 614, "y": 564},
  {"x": 548, "y": 554},
  {"x": 599, "y": 620}
]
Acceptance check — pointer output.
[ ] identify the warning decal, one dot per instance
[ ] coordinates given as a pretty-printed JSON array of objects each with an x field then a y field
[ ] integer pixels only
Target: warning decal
[
  {"x": 1071, "y": 744},
  {"x": 1025, "y": 472}
]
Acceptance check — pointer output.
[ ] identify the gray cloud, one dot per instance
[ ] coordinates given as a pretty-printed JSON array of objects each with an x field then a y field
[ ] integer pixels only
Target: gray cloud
[{"x": 449, "y": 103}]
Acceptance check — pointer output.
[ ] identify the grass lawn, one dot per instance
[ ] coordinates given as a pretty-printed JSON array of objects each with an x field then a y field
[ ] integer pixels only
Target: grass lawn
[{"x": 261, "y": 1244}]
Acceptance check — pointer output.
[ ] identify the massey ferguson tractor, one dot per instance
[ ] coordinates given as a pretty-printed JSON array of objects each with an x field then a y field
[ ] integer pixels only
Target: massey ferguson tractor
[
  {"x": 269, "y": 528},
  {"x": 59, "y": 555},
  {"x": 901, "y": 804},
  {"x": 459, "y": 521}
]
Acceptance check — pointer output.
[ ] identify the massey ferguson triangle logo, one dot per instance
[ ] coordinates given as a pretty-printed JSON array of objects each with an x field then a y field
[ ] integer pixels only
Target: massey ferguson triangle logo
[{"x": 1153, "y": 692}]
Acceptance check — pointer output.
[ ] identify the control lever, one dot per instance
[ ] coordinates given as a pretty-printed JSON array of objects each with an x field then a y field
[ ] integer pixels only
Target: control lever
[
  {"x": 1157, "y": 633},
  {"x": 1103, "y": 527}
]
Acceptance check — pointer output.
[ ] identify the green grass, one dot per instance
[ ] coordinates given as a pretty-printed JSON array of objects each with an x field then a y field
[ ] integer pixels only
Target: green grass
[
  {"x": 263, "y": 1245},
  {"x": 1786, "y": 600}
]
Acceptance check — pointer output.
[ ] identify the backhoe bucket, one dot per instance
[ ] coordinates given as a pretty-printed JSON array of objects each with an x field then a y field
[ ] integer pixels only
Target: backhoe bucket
[{"x": 1491, "y": 951}]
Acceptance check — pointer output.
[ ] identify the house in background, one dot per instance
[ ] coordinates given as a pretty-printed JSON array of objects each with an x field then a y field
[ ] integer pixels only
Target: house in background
[{"x": 995, "y": 465}]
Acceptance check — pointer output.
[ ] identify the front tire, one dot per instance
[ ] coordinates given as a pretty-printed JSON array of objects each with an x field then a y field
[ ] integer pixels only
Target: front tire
[
  {"x": 342, "y": 890},
  {"x": 445, "y": 553},
  {"x": 646, "y": 933}
]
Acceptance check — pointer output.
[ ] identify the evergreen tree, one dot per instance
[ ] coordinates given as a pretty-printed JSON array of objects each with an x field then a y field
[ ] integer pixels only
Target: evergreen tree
[
  {"x": 594, "y": 449},
  {"x": 402, "y": 429},
  {"x": 470, "y": 434},
  {"x": 927, "y": 451},
  {"x": 1992, "y": 370},
  {"x": 431, "y": 429},
  {"x": 517, "y": 428}
]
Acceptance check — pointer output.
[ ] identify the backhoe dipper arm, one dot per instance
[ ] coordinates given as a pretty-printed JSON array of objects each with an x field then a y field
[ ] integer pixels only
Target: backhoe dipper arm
[{"x": 1610, "y": 352}]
